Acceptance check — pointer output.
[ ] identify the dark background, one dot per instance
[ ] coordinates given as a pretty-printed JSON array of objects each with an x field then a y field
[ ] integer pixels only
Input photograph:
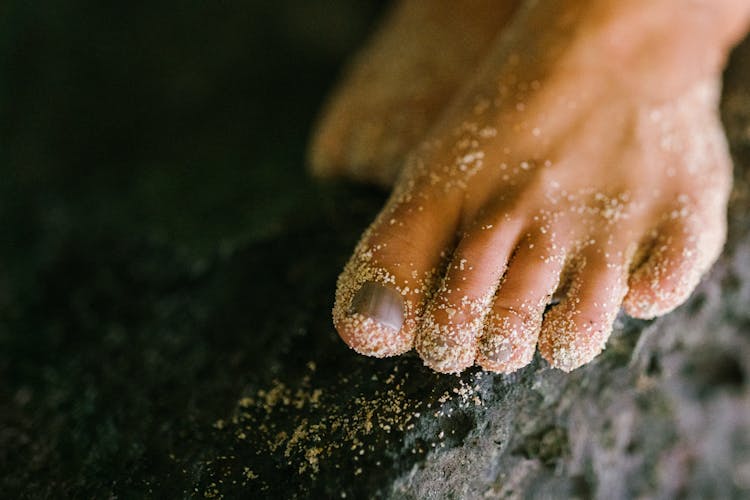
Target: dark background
[{"x": 158, "y": 232}]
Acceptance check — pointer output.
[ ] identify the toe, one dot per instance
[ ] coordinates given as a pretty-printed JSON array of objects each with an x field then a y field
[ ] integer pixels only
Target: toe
[
  {"x": 682, "y": 252},
  {"x": 382, "y": 290},
  {"x": 575, "y": 331},
  {"x": 512, "y": 327},
  {"x": 454, "y": 317}
]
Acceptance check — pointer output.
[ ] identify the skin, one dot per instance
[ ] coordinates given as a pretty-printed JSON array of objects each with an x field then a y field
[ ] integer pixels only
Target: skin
[
  {"x": 579, "y": 168},
  {"x": 400, "y": 83}
]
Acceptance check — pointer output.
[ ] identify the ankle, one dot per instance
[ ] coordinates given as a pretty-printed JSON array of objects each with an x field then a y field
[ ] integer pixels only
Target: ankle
[{"x": 659, "y": 48}]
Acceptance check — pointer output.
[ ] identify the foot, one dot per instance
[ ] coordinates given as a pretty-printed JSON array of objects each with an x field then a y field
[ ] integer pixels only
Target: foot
[
  {"x": 400, "y": 83},
  {"x": 558, "y": 171}
]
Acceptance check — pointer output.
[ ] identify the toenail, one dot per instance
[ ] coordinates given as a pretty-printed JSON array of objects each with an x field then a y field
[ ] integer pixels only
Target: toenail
[
  {"x": 495, "y": 353},
  {"x": 381, "y": 303}
]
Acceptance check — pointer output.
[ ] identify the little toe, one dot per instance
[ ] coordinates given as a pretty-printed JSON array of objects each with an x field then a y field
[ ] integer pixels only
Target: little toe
[
  {"x": 512, "y": 327},
  {"x": 681, "y": 253},
  {"x": 382, "y": 290},
  {"x": 576, "y": 330},
  {"x": 454, "y": 318}
]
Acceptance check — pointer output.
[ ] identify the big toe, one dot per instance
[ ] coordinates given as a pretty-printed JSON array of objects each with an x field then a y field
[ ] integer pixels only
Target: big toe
[{"x": 382, "y": 291}]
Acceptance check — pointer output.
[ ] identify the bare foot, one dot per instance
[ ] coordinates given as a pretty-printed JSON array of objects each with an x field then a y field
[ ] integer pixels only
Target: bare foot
[
  {"x": 572, "y": 165},
  {"x": 400, "y": 83}
]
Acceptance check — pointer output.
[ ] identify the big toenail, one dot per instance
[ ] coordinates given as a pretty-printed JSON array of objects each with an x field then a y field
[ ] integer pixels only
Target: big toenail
[{"x": 381, "y": 303}]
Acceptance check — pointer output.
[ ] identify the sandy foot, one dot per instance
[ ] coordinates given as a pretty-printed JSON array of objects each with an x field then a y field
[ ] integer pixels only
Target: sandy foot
[{"x": 551, "y": 173}]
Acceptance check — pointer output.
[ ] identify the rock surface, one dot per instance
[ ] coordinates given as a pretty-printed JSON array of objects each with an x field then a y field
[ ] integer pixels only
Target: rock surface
[{"x": 166, "y": 274}]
